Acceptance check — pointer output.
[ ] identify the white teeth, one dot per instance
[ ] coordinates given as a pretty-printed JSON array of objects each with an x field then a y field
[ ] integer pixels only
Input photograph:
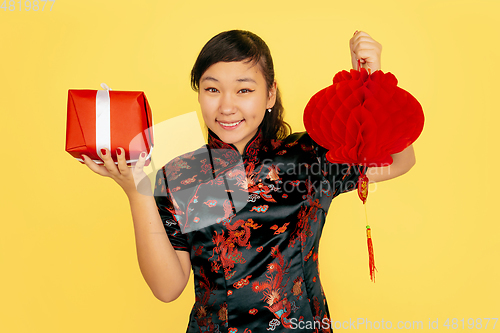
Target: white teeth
[{"x": 230, "y": 124}]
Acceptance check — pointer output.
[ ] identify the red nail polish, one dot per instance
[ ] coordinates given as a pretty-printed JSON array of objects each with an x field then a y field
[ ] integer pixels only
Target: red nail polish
[
  {"x": 143, "y": 155},
  {"x": 103, "y": 151},
  {"x": 119, "y": 151},
  {"x": 355, "y": 33},
  {"x": 83, "y": 157}
]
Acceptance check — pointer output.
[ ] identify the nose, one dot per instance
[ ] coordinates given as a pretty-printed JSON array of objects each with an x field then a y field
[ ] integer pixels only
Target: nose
[{"x": 227, "y": 105}]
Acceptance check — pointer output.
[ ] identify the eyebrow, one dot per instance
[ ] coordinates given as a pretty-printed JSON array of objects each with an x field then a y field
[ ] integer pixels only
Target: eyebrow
[
  {"x": 209, "y": 78},
  {"x": 244, "y": 79}
]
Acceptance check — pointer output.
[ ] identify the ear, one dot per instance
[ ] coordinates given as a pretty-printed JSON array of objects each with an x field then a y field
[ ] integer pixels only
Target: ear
[{"x": 271, "y": 100}]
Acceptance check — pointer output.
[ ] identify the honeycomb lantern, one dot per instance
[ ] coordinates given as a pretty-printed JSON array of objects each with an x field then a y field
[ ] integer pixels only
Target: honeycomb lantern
[{"x": 363, "y": 118}]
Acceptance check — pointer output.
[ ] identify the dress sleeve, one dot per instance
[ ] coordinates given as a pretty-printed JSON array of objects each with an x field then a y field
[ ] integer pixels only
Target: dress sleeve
[
  {"x": 166, "y": 211},
  {"x": 342, "y": 177}
]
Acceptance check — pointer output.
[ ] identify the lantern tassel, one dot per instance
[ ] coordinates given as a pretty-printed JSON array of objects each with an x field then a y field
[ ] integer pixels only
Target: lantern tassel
[
  {"x": 370, "y": 253},
  {"x": 363, "y": 194}
]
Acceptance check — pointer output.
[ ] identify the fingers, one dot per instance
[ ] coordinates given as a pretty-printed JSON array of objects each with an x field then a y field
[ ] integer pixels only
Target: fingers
[
  {"x": 119, "y": 170},
  {"x": 360, "y": 36},
  {"x": 359, "y": 42},
  {"x": 141, "y": 180},
  {"x": 366, "y": 49},
  {"x": 122, "y": 161},
  {"x": 99, "y": 169},
  {"x": 362, "y": 42},
  {"x": 131, "y": 180},
  {"x": 140, "y": 162},
  {"x": 109, "y": 164}
]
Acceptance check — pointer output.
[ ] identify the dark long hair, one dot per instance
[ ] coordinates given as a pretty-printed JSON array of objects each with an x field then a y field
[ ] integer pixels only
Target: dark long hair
[{"x": 239, "y": 45}]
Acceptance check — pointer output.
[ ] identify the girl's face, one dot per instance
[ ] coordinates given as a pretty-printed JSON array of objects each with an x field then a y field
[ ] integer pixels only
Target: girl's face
[{"x": 233, "y": 97}]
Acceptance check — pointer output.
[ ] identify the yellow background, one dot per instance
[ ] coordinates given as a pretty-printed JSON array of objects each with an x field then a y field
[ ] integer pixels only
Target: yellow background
[{"x": 67, "y": 250}]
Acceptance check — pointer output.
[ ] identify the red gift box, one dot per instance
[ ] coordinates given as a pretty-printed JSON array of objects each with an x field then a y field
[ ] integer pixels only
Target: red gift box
[{"x": 108, "y": 119}]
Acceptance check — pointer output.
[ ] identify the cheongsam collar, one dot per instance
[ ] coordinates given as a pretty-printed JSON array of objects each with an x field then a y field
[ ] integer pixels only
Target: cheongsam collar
[{"x": 251, "y": 149}]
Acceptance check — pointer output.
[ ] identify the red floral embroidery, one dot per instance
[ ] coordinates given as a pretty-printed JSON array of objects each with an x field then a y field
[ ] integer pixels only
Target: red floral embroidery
[
  {"x": 222, "y": 313},
  {"x": 259, "y": 209},
  {"x": 277, "y": 195},
  {"x": 210, "y": 203},
  {"x": 206, "y": 167},
  {"x": 197, "y": 251},
  {"x": 297, "y": 287},
  {"x": 256, "y": 287},
  {"x": 303, "y": 227},
  {"x": 262, "y": 190},
  {"x": 202, "y": 317},
  {"x": 306, "y": 258},
  {"x": 274, "y": 286},
  {"x": 273, "y": 174},
  {"x": 272, "y": 267},
  {"x": 226, "y": 249},
  {"x": 280, "y": 229},
  {"x": 241, "y": 283},
  {"x": 189, "y": 180},
  {"x": 306, "y": 148},
  {"x": 276, "y": 143}
]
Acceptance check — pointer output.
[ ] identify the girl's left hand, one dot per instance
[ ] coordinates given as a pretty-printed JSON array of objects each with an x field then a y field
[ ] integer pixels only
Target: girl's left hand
[
  {"x": 132, "y": 179},
  {"x": 365, "y": 48}
]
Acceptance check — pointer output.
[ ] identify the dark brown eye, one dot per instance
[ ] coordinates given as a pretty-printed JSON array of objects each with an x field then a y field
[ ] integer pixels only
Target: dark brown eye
[{"x": 245, "y": 90}]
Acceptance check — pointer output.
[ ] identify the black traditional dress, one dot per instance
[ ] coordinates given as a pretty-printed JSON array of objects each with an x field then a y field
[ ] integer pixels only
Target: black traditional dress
[{"x": 252, "y": 226}]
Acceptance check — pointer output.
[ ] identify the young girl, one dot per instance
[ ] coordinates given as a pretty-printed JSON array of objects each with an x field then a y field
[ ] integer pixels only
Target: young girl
[{"x": 246, "y": 211}]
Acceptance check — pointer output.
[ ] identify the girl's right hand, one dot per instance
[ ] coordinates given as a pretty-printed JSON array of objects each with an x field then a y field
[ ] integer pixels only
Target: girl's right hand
[
  {"x": 132, "y": 179},
  {"x": 366, "y": 49}
]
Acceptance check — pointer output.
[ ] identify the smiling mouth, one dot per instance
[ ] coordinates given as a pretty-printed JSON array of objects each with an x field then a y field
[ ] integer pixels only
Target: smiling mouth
[{"x": 230, "y": 125}]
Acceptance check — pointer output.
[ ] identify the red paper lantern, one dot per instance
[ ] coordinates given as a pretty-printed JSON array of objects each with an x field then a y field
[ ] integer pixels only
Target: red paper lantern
[{"x": 363, "y": 118}]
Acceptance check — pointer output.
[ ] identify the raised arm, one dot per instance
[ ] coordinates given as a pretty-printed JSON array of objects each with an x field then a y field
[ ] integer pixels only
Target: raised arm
[
  {"x": 165, "y": 270},
  {"x": 368, "y": 50},
  {"x": 402, "y": 163}
]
